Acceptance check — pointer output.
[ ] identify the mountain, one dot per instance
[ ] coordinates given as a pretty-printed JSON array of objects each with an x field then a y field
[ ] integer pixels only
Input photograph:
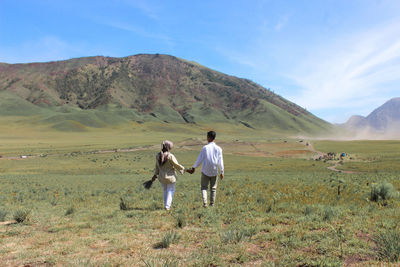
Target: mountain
[
  {"x": 97, "y": 91},
  {"x": 356, "y": 122},
  {"x": 386, "y": 116},
  {"x": 384, "y": 119}
]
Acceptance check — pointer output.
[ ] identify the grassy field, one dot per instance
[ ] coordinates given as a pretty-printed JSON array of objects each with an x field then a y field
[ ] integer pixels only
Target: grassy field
[{"x": 79, "y": 201}]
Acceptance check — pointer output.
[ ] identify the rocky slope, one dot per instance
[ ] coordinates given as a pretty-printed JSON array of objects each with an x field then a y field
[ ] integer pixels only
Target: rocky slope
[
  {"x": 384, "y": 119},
  {"x": 153, "y": 87}
]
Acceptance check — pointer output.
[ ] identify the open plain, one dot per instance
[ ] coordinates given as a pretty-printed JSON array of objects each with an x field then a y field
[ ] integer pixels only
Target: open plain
[{"x": 76, "y": 199}]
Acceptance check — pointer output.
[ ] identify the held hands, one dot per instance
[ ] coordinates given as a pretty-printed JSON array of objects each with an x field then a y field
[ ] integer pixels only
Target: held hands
[{"x": 191, "y": 170}]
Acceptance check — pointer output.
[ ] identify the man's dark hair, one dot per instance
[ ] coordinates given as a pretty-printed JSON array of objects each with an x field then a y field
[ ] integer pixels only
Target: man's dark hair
[{"x": 211, "y": 135}]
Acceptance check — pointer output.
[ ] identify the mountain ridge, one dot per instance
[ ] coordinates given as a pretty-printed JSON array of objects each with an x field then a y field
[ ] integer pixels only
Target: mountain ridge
[
  {"x": 164, "y": 87},
  {"x": 383, "y": 119}
]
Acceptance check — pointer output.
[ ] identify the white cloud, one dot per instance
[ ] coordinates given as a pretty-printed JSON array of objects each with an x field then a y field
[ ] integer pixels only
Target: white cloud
[
  {"x": 281, "y": 23},
  {"x": 138, "y": 30},
  {"x": 356, "y": 71},
  {"x": 237, "y": 57},
  {"x": 48, "y": 48},
  {"x": 351, "y": 72},
  {"x": 145, "y": 7}
]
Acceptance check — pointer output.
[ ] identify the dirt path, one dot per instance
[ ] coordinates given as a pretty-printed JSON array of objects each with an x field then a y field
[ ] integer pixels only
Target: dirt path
[
  {"x": 8, "y": 222},
  {"x": 311, "y": 147},
  {"x": 320, "y": 154},
  {"x": 333, "y": 168}
]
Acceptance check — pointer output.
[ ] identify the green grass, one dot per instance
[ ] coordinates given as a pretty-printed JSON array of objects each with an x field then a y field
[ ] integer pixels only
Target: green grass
[
  {"x": 12, "y": 105},
  {"x": 275, "y": 207}
]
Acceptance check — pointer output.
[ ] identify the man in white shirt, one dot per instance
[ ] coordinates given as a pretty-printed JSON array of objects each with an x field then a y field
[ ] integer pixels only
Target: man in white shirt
[{"x": 212, "y": 160}]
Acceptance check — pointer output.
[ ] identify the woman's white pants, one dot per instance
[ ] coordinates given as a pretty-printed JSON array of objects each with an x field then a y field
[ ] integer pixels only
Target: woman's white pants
[{"x": 169, "y": 190}]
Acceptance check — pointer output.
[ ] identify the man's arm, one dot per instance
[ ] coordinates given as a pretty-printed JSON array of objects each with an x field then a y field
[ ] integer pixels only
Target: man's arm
[
  {"x": 221, "y": 165},
  {"x": 199, "y": 159}
]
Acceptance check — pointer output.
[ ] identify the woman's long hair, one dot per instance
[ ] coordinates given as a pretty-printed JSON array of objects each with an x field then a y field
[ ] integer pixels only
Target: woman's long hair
[{"x": 162, "y": 156}]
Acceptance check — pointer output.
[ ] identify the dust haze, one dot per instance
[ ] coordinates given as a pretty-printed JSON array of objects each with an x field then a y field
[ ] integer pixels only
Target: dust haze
[{"x": 366, "y": 133}]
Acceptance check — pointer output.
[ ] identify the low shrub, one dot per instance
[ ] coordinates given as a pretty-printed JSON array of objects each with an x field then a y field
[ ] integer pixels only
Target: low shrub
[
  {"x": 20, "y": 216},
  {"x": 237, "y": 235},
  {"x": 161, "y": 263},
  {"x": 69, "y": 211},
  {"x": 308, "y": 210},
  {"x": 328, "y": 213},
  {"x": 130, "y": 215},
  {"x": 388, "y": 245},
  {"x": 125, "y": 204},
  {"x": 180, "y": 220},
  {"x": 3, "y": 214},
  {"x": 54, "y": 201},
  {"x": 382, "y": 192},
  {"x": 169, "y": 238}
]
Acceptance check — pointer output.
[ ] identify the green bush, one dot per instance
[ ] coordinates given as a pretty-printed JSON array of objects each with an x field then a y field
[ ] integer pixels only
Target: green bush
[
  {"x": 237, "y": 235},
  {"x": 54, "y": 201},
  {"x": 161, "y": 263},
  {"x": 131, "y": 215},
  {"x": 232, "y": 236},
  {"x": 3, "y": 215},
  {"x": 20, "y": 216},
  {"x": 382, "y": 191},
  {"x": 308, "y": 210},
  {"x": 388, "y": 246},
  {"x": 69, "y": 211},
  {"x": 180, "y": 220},
  {"x": 169, "y": 238},
  {"x": 328, "y": 213},
  {"x": 125, "y": 204}
]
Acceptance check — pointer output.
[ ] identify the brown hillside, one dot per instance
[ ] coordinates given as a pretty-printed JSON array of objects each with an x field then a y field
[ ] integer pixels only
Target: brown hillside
[{"x": 147, "y": 84}]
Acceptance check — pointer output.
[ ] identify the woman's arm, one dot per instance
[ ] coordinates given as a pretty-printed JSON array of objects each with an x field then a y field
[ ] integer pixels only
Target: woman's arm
[
  {"x": 176, "y": 165},
  {"x": 156, "y": 171}
]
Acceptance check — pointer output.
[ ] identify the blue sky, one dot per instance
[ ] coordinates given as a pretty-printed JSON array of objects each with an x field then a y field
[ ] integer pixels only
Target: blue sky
[{"x": 336, "y": 58}]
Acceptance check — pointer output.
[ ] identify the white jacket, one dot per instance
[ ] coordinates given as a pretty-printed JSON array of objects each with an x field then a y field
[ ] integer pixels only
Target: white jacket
[{"x": 167, "y": 172}]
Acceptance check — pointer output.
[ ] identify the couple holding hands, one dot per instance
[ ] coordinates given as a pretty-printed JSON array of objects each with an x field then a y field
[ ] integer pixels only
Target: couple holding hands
[{"x": 211, "y": 159}]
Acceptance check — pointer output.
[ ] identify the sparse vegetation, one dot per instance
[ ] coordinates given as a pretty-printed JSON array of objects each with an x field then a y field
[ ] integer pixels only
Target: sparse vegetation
[
  {"x": 388, "y": 245},
  {"x": 180, "y": 220},
  {"x": 382, "y": 191},
  {"x": 168, "y": 239},
  {"x": 161, "y": 263},
  {"x": 275, "y": 206},
  {"x": 21, "y": 215},
  {"x": 236, "y": 235},
  {"x": 328, "y": 213},
  {"x": 69, "y": 211},
  {"x": 94, "y": 92},
  {"x": 126, "y": 203},
  {"x": 3, "y": 214}
]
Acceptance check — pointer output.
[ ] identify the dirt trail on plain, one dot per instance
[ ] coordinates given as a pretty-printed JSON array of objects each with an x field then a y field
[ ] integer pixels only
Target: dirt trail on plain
[{"x": 333, "y": 167}]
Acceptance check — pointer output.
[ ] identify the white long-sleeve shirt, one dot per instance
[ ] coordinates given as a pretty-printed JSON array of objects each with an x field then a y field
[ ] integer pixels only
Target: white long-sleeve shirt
[{"x": 211, "y": 157}]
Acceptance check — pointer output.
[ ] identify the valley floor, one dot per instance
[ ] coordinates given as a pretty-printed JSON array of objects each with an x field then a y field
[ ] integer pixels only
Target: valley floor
[{"x": 80, "y": 201}]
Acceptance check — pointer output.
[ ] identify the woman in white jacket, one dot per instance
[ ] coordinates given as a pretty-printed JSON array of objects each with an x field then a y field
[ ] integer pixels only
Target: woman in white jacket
[{"x": 165, "y": 170}]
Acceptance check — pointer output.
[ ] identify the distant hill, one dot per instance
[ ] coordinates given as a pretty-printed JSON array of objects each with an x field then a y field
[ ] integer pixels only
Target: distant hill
[
  {"x": 384, "y": 119},
  {"x": 356, "y": 122},
  {"x": 97, "y": 91}
]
